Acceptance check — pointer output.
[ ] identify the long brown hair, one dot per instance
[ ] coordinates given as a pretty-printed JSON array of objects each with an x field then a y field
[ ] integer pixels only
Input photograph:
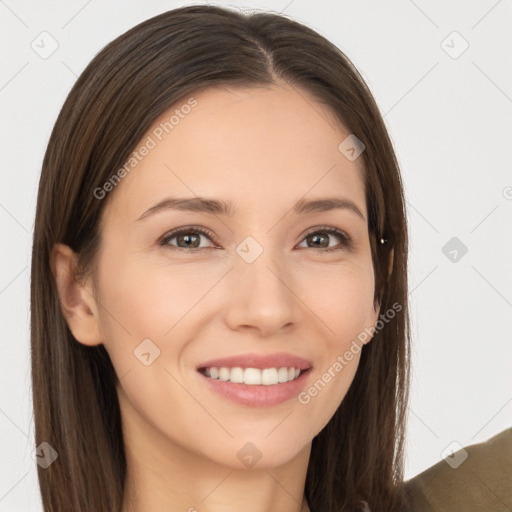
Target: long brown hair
[{"x": 130, "y": 83}]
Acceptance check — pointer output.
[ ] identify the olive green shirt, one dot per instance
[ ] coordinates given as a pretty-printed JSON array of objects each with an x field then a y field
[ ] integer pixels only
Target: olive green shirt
[{"x": 482, "y": 482}]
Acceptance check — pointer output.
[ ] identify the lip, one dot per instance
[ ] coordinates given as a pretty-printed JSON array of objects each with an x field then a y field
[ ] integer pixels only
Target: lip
[
  {"x": 257, "y": 395},
  {"x": 260, "y": 361}
]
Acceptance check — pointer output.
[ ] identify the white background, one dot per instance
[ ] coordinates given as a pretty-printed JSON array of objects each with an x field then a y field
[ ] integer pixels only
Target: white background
[{"x": 449, "y": 119}]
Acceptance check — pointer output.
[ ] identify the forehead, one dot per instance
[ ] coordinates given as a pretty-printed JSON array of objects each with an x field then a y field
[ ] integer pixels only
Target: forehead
[{"x": 260, "y": 148}]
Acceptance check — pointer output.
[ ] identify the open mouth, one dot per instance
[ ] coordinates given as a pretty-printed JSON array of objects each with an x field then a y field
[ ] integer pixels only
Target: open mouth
[{"x": 253, "y": 376}]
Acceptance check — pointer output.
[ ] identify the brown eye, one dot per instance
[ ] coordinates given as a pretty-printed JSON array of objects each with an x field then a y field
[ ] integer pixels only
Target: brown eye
[
  {"x": 187, "y": 238},
  {"x": 321, "y": 238}
]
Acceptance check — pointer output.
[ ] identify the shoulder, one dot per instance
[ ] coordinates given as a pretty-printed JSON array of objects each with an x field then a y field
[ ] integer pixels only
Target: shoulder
[{"x": 482, "y": 481}]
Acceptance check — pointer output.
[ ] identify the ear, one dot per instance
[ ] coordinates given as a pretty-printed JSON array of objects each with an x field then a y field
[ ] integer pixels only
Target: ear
[{"x": 77, "y": 301}]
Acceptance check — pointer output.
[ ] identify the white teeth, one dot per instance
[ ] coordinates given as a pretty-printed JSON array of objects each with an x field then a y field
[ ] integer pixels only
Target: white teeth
[
  {"x": 253, "y": 376},
  {"x": 224, "y": 374},
  {"x": 269, "y": 376},
  {"x": 282, "y": 374},
  {"x": 236, "y": 375}
]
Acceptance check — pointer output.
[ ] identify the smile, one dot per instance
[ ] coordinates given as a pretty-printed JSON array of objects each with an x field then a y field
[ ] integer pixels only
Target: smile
[{"x": 252, "y": 376}]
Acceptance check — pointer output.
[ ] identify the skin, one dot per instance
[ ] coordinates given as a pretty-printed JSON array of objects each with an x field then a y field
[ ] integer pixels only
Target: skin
[{"x": 263, "y": 149}]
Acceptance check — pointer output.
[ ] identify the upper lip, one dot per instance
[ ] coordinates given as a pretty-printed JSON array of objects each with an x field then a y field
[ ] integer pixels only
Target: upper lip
[{"x": 261, "y": 361}]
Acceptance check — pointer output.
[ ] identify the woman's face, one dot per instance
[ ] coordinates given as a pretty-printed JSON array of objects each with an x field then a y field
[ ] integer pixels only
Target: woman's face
[{"x": 265, "y": 284}]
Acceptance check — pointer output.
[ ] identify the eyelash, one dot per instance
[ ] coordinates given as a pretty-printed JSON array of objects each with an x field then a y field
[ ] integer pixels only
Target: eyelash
[{"x": 346, "y": 241}]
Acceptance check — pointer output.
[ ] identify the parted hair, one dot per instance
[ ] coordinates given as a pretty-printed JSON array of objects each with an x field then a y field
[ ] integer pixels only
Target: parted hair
[{"x": 115, "y": 100}]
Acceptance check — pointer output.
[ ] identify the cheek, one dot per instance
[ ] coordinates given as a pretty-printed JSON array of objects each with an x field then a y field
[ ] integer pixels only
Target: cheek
[
  {"x": 154, "y": 302},
  {"x": 152, "y": 312},
  {"x": 342, "y": 299},
  {"x": 146, "y": 301},
  {"x": 324, "y": 393}
]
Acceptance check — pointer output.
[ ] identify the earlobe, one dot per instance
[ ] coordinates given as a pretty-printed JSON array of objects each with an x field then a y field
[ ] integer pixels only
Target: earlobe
[{"x": 77, "y": 301}]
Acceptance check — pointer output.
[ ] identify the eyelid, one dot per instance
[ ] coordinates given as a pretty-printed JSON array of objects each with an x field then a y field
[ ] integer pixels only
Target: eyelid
[
  {"x": 331, "y": 230},
  {"x": 204, "y": 231},
  {"x": 347, "y": 242}
]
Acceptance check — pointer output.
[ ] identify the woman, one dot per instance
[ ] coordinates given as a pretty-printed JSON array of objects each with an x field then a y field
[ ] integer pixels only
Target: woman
[{"x": 219, "y": 277}]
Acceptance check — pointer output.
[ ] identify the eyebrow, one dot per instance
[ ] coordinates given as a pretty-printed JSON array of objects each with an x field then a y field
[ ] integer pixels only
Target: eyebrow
[{"x": 226, "y": 208}]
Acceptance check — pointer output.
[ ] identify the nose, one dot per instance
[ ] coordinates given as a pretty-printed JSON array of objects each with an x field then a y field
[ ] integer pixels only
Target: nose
[{"x": 261, "y": 297}]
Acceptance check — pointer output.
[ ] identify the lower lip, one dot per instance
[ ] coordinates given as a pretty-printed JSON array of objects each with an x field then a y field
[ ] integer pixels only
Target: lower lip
[{"x": 258, "y": 395}]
